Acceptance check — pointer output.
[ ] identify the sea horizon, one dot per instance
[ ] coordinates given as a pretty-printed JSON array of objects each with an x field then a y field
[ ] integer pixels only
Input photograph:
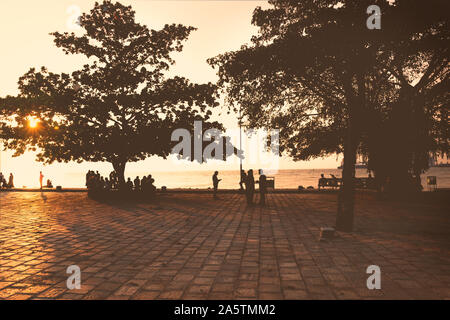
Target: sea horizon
[{"x": 201, "y": 179}]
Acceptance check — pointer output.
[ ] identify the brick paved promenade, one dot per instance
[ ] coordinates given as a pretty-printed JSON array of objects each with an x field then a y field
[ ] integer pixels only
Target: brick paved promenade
[{"x": 190, "y": 247}]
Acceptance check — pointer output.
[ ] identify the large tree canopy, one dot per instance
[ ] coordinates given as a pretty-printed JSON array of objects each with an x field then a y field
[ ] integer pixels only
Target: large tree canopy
[
  {"x": 119, "y": 107},
  {"x": 316, "y": 72},
  {"x": 307, "y": 73},
  {"x": 415, "y": 54}
]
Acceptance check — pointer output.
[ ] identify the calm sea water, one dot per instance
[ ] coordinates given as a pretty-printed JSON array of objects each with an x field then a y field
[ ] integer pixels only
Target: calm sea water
[{"x": 230, "y": 179}]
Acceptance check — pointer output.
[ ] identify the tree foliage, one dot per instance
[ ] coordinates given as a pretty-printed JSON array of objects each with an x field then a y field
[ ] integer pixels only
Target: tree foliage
[
  {"x": 331, "y": 85},
  {"x": 119, "y": 107},
  {"x": 415, "y": 54}
]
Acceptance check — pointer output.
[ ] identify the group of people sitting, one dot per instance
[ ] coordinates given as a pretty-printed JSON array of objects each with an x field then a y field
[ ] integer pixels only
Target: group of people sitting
[
  {"x": 332, "y": 182},
  {"x": 94, "y": 181},
  {"x": 6, "y": 184},
  {"x": 97, "y": 184},
  {"x": 145, "y": 184}
]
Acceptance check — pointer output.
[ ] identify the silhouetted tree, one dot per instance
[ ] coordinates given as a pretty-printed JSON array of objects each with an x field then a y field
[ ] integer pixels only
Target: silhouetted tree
[
  {"x": 118, "y": 108},
  {"x": 320, "y": 75},
  {"x": 414, "y": 53},
  {"x": 308, "y": 72}
]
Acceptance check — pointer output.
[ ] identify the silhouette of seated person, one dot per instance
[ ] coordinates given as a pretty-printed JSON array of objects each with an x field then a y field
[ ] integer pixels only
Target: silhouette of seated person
[
  {"x": 147, "y": 186},
  {"x": 107, "y": 184},
  {"x": 88, "y": 176},
  {"x": 151, "y": 187},
  {"x": 95, "y": 183},
  {"x": 137, "y": 184},
  {"x": 102, "y": 183},
  {"x": 144, "y": 183},
  {"x": 2, "y": 181},
  {"x": 49, "y": 184},
  {"x": 113, "y": 179},
  {"x": 91, "y": 180},
  {"x": 334, "y": 181},
  {"x": 11, "y": 181},
  {"x": 129, "y": 185},
  {"x": 322, "y": 181}
]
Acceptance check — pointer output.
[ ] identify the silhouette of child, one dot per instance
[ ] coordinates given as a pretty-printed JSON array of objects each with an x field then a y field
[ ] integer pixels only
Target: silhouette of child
[{"x": 216, "y": 181}]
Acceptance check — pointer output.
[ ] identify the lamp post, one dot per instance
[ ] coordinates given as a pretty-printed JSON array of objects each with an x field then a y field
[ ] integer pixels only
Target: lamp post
[{"x": 240, "y": 141}]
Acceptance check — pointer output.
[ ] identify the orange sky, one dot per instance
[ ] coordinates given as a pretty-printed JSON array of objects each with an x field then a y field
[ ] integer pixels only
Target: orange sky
[{"x": 25, "y": 27}]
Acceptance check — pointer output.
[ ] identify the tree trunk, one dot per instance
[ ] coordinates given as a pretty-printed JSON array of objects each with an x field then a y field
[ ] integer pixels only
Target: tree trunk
[
  {"x": 344, "y": 218},
  {"x": 406, "y": 138},
  {"x": 119, "y": 168}
]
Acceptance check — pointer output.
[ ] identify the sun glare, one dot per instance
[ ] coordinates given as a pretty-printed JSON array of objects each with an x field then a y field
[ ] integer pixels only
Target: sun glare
[{"x": 33, "y": 122}]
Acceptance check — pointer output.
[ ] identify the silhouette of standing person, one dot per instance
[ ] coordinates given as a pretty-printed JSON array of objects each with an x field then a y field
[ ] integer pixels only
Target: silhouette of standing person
[
  {"x": 41, "y": 177},
  {"x": 242, "y": 181},
  {"x": 262, "y": 187},
  {"x": 151, "y": 189},
  {"x": 215, "y": 180},
  {"x": 11, "y": 181},
  {"x": 250, "y": 186}
]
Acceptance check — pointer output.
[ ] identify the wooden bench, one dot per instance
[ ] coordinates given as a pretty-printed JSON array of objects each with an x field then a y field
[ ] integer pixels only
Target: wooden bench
[
  {"x": 360, "y": 183},
  {"x": 270, "y": 182},
  {"x": 329, "y": 182}
]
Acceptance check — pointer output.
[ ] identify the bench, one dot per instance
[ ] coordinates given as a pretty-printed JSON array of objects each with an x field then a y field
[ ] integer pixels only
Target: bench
[
  {"x": 360, "y": 183},
  {"x": 270, "y": 182},
  {"x": 329, "y": 182}
]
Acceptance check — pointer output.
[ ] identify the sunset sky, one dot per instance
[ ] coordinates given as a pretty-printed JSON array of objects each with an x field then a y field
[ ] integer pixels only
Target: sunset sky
[{"x": 25, "y": 27}]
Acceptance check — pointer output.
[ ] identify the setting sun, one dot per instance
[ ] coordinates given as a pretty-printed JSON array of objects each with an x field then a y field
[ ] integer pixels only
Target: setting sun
[{"x": 33, "y": 121}]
